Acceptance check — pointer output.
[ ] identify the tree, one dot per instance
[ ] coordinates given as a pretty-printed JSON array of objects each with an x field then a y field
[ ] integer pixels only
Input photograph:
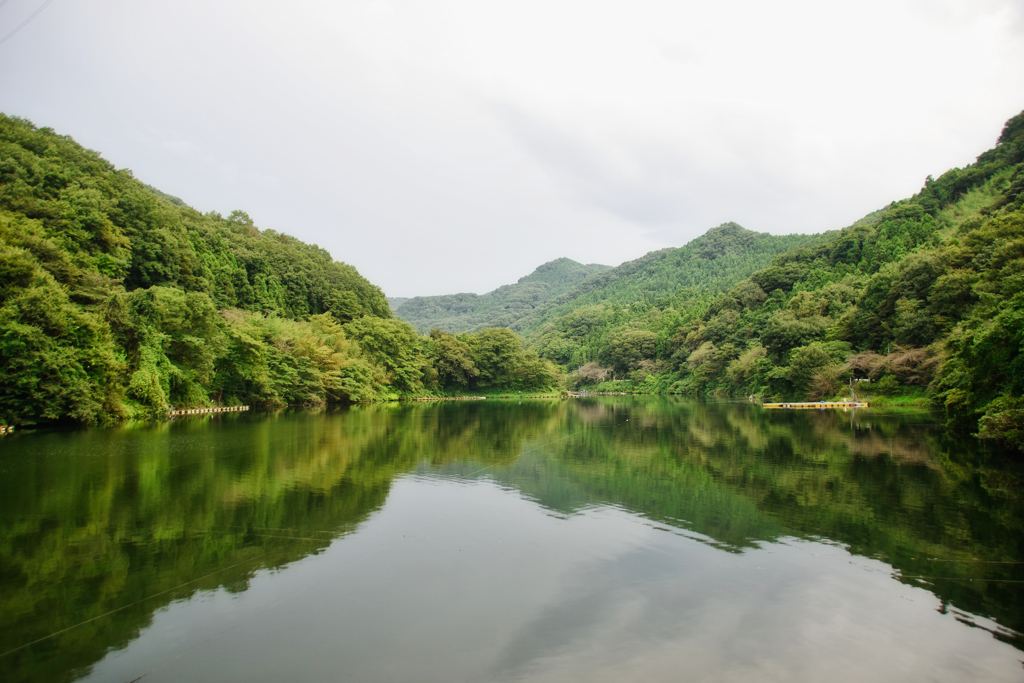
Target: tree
[
  {"x": 393, "y": 345},
  {"x": 785, "y": 331},
  {"x": 452, "y": 359},
  {"x": 497, "y": 353},
  {"x": 628, "y": 347},
  {"x": 535, "y": 372},
  {"x": 805, "y": 362}
]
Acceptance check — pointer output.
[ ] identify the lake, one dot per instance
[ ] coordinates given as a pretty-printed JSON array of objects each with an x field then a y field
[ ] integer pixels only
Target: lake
[{"x": 599, "y": 539}]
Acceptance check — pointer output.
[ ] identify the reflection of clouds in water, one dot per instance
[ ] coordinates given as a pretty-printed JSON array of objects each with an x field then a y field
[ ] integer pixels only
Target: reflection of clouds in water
[{"x": 796, "y": 611}]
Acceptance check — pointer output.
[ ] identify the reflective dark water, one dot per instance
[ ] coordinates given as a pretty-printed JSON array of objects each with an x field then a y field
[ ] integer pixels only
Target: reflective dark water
[{"x": 606, "y": 539}]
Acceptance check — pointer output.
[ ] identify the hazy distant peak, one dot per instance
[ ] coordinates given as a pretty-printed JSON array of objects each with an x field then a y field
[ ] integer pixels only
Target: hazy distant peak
[
  {"x": 505, "y": 306},
  {"x": 560, "y": 270}
]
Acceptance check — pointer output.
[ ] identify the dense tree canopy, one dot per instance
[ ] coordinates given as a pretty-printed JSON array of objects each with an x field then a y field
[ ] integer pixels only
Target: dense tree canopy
[
  {"x": 117, "y": 300},
  {"x": 922, "y": 296}
]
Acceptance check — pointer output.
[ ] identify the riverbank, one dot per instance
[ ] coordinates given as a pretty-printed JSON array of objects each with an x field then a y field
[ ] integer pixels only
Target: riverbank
[{"x": 908, "y": 397}]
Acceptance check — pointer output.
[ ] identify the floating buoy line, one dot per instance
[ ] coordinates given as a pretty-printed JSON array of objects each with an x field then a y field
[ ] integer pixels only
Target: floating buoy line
[{"x": 203, "y": 411}]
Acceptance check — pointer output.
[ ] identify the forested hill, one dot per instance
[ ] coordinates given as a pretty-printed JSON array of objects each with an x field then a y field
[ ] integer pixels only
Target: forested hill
[
  {"x": 506, "y": 306},
  {"x": 117, "y": 300},
  {"x": 712, "y": 263},
  {"x": 91, "y": 227},
  {"x": 923, "y": 298}
]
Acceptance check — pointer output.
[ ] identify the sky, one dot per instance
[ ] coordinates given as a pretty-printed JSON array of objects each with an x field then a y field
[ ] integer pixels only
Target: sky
[{"x": 445, "y": 146}]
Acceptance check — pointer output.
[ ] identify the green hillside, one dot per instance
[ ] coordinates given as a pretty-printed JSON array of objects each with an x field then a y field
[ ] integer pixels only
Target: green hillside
[
  {"x": 709, "y": 264},
  {"x": 507, "y": 306},
  {"x": 118, "y": 301},
  {"x": 924, "y": 298}
]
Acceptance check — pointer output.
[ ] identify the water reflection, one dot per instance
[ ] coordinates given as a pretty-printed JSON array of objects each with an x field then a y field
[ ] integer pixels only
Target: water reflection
[{"x": 102, "y": 530}]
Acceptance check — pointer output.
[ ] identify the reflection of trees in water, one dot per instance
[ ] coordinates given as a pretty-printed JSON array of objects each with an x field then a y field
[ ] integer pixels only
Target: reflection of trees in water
[
  {"x": 887, "y": 486},
  {"x": 139, "y": 513},
  {"x": 485, "y": 432},
  {"x": 97, "y": 521}
]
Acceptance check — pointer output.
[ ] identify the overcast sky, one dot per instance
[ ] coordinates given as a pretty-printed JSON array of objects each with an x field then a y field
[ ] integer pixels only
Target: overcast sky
[{"x": 454, "y": 145}]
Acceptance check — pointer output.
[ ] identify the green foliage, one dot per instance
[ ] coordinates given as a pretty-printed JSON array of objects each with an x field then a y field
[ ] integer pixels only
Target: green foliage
[
  {"x": 925, "y": 294},
  {"x": 117, "y": 300},
  {"x": 393, "y": 345},
  {"x": 637, "y": 318},
  {"x": 58, "y": 360},
  {"x": 452, "y": 360},
  {"x": 89, "y": 218},
  {"x": 497, "y": 352},
  {"x": 887, "y": 386},
  {"x": 507, "y": 306},
  {"x": 273, "y": 361},
  {"x": 541, "y": 302},
  {"x": 1004, "y": 421},
  {"x": 626, "y": 348},
  {"x": 805, "y": 363},
  {"x": 669, "y": 278},
  {"x": 785, "y": 330}
]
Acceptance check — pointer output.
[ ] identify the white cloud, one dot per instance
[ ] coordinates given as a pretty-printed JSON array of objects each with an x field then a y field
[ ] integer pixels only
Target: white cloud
[{"x": 453, "y": 145}]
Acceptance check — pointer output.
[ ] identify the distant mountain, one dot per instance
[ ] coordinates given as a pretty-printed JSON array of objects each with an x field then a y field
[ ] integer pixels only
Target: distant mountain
[
  {"x": 396, "y": 301},
  {"x": 712, "y": 263},
  {"x": 506, "y": 306}
]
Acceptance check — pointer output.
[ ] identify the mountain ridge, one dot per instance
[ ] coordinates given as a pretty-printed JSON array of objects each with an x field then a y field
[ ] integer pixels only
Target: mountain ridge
[
  {"x": 717, "y": 259},
  {"x": 503, "y": 306}
]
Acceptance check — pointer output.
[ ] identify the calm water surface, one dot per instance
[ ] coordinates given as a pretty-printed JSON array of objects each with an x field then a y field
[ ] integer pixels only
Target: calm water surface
[{"x": 596, "y": 540}]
